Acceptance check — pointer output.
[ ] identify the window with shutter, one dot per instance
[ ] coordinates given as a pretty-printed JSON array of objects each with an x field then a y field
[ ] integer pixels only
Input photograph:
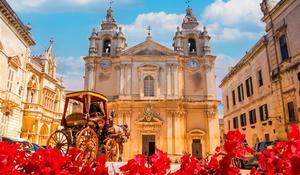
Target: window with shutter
[
  {"x": 252, "y": 116},
  {"x": 263, "y": 110},
  {"x": 249, "y": 87},
  {"x": 283, "y": 47},
  {"x": 291, "y": 112},
  {"x": 260, "y": 79}
]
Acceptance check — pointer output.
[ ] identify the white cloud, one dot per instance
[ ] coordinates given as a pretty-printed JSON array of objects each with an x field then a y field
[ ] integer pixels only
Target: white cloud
[
  {"x": 233, "y": 20},
  {"x": 20, "y": 4},
  {"x": 230, "y": 12},
  {"x": 72, "y": 70},
  {"x": 47, "y": 5},
  {"x": 233, "y": 34},
  {"x": 163, "y": 27},
  {"x": 224, "y": 63}
]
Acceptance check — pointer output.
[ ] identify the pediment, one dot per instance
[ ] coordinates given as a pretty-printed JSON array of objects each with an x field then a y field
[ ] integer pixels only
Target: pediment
[
  {"x": 196, "y": 132},
  {"x": 150, "y": 52},
  {"x": 149, "y": 48}
]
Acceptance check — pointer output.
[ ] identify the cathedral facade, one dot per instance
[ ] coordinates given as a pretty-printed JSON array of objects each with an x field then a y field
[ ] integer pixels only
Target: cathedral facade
[{"x": 166, "y": 96}]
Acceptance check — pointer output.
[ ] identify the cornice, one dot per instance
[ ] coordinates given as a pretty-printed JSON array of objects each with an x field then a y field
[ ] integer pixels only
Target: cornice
[
  {"x": 246, "y": 59},
  {"x": 14, "y": 21},
  {"x": 277, "y": 10}
]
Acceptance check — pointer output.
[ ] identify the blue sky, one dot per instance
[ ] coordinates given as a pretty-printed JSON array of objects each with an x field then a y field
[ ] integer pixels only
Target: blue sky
[{"x": 233, "y": 24}]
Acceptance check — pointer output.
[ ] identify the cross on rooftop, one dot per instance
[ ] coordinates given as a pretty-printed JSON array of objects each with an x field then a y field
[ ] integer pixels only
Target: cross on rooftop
[
  {"x": 110, "y": 3},
  {"x": 188, "y": 2},
  {"x": 149, "y": 30}
]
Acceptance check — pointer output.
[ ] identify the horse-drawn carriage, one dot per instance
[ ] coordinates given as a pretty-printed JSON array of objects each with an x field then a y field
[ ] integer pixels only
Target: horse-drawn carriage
[{"x": 90, "y": 128}]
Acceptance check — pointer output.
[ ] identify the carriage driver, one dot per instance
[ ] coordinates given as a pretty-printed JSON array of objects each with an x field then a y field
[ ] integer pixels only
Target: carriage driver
[{"x": 96, "y": 113}]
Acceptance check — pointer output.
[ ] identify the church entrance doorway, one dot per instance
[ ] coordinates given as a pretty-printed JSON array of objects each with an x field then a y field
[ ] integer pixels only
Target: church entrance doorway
[
  {"x": 197, "y": 148},
  {"x": 148, "y": 142}
]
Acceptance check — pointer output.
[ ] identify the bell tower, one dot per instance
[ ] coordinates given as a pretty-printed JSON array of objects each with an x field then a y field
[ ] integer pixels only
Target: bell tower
[
  {"x": 105, "y": 44},
  {"x": 193, "y": 44},
  {"x": 190, "y": 40},
  {"x": 110, "y": 40}
]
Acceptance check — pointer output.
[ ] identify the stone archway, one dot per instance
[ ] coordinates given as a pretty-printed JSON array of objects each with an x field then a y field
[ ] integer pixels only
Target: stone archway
[{"x": 43, "y": 135}]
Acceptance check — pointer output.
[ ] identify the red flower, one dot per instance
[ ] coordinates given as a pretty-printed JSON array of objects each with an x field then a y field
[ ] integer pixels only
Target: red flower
[
  {"x": 159, "y": 162},
  {"x": 136, "y": 166}
]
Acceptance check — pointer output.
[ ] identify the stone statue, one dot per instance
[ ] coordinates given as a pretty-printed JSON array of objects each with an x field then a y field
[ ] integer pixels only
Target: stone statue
[
  {"x": 189, "y": 16},
  {"x": 267, "y": 5},
  {"x": 109, "y": 16}
]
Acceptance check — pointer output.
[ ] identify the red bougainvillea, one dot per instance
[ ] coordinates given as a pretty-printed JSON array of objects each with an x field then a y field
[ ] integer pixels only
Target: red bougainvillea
[
  {"x": 283, "y": 158},
  {"x": 221, "y": 162},
  {"x": 15, "y": 161},
  {"x": 158, "y": 164}
]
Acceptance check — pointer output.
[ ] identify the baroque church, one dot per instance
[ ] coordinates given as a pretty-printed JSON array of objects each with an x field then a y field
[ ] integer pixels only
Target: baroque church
[{"x": 166, "y": 96}]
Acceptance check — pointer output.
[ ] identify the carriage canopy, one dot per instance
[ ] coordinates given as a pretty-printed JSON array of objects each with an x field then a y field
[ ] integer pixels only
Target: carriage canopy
[{"x": 86, "y": 98}]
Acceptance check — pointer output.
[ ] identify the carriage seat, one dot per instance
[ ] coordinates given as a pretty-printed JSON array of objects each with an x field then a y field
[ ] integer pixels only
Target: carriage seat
[{"x": 75, "y": 119}]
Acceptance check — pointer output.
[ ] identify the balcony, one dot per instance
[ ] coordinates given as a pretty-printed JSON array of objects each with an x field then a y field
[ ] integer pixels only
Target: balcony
[
  {"x": 31, "y": 107},
  {"x": 10, "y": 99}
]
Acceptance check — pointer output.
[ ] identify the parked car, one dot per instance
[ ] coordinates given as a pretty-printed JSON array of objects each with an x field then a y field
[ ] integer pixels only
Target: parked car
[
  {"x": 36, "y": 146},
  {"x": 28, "y": 146},
  {"x": 252, "y": 160}
]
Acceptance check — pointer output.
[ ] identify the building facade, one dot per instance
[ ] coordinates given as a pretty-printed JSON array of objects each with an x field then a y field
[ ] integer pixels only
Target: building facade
[
  {"x": 166, "y": 96},
  {"x": 15, "y": 43},
  {"x": 261, "y": 93},
  {"x": 31, "y": 97},
  {"x": 44, "y": 100}
]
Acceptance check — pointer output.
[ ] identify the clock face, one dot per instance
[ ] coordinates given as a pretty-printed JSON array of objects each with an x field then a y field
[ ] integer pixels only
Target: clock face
[
  {"x": 105, "y": 64},
  {"x": 193, "y": 64}
]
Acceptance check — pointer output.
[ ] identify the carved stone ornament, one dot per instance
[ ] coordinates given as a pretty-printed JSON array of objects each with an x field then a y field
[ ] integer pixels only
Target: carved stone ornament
[{"x": 149, "y": 113}]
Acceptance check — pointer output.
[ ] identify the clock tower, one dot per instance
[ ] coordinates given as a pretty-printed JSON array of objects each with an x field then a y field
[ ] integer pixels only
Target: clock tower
[
  {"x": 105, "y": 46},
  {"x": 193, "y": 43}
]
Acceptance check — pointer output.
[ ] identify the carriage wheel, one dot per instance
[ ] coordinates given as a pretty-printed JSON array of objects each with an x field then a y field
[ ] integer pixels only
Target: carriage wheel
[
  {"x": 87, "y": 141},
  {"x": 59, "y": 141},
  {"x": 112, "y": 150}
]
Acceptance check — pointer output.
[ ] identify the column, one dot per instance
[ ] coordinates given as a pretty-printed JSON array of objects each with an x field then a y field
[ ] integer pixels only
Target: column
[
  {"x": 89, "y": 76},
  {"x": 169, "y": 132},
  {"x": 210, "y": 81},
  {"x": 176, "y": 81},
  {"x": 121, "y": 79},
  {"x": 168, "y": 80},
  {"x": 128, "y": 79},
  {"x": 172, "y": 79},
  {"x": 178, "y": 131},
  {"x": 118, "y": 78},
  {"x": 214, "y": 134}
]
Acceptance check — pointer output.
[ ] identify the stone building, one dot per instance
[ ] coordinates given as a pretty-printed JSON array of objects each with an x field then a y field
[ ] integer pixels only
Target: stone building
[
  {"x": 31, "y": 97},
  {"x": 261, "y": 94},
  {"x": 166, "y": 96},
  {"x": 44, "y": 100},
  {"x": 15, "y": 42}
]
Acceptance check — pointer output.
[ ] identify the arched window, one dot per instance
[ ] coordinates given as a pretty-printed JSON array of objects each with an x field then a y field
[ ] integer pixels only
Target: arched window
[
  {"x": 192, "y": 45},
  {"x": 32, "y": 90},
  {"x": 106, "y": 46},
  {"x": 148, "y": 86},
  {"x": 44, "y": 134}
]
